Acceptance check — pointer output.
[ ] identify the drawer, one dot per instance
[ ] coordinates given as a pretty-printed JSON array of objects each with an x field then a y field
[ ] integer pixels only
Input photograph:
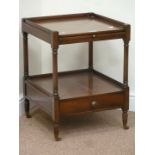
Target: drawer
[
  {"x": 107, "y": 101},
  {"x": 91, "y": 103},
  {"x": 75, "y": 106}
]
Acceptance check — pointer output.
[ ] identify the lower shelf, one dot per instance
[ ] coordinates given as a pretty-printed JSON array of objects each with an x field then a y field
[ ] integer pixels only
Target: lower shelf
[
  {"x": 77, "y": 84},
  {"x": 79, "y": 92}
]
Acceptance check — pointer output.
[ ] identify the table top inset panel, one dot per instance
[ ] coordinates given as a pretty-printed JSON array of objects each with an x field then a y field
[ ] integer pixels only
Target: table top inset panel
[{"x": 71, "y": 26}]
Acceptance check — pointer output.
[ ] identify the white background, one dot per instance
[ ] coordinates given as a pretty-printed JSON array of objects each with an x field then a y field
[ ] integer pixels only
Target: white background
[
  {"x": 108, "y": 55},
  {"x": 9, "y": 115}
]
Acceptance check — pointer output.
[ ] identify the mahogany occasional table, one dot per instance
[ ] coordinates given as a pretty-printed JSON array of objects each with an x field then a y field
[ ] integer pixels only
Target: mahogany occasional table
[{"x": 79, "y": 91}]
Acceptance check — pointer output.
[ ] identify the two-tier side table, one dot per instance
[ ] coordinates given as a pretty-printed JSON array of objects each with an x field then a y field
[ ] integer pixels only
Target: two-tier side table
[{"x": 78, "y": 91}]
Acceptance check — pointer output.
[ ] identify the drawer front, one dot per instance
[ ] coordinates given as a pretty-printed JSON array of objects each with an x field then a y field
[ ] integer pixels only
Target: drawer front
[
  {"x": 91, "y": 103},
  {"x": 107, "y": 101},
  {"x": 75, "y": 106}
]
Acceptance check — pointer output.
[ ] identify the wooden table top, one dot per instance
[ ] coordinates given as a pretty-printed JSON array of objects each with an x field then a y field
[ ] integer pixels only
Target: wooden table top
[
  {"x": 71, "y": 26},
  {"x": 74, "y": 28}
]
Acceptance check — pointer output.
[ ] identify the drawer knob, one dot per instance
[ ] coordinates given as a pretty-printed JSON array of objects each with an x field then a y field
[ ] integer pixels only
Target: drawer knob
[{"x": 93, "y": 103}]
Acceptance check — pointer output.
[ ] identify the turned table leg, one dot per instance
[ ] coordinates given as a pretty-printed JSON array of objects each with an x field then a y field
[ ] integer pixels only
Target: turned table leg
[
  {"x": 125, "y": 80},
  {"x": 125, "y": 119},
  {"x": 90, "y": 56},
  {"x": 56, "y": 106},
  {"x": 125, "y": 108},
  {"x": 56, "y": 131},
  {"x": 26, "y": 73},
  {"x": 27, "y": 108}
]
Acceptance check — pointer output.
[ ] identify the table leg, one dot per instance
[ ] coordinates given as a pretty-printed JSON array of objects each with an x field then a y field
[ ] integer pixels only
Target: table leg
[
  {"x": 56, "y": 131},
  {"x": 56, "y": 111},
  {"x": 125, "y": 118},
  {"x": 125, "y": 109},
  {"x": 27, "y": 108}
]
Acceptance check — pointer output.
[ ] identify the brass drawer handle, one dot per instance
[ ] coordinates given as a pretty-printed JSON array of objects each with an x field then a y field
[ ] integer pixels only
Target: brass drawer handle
[{"x": 93, "y": 103}]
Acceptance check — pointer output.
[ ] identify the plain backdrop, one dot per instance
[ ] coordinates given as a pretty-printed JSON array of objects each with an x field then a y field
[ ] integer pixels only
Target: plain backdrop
[{"x": 108, "y": 55}]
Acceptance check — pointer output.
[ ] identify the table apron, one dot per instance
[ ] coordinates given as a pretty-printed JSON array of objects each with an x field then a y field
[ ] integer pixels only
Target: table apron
[{"x": 88, "y": 38}]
